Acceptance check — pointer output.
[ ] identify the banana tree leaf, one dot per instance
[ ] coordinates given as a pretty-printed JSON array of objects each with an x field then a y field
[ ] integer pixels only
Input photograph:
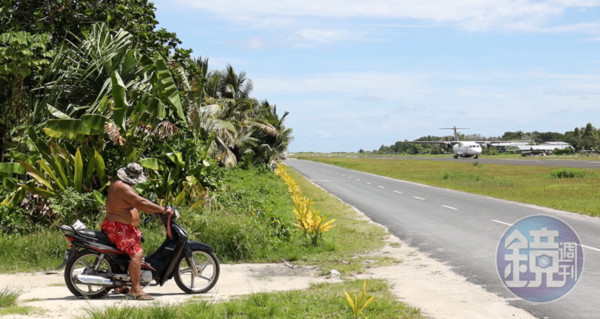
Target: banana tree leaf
[
  {"x": 52, "y": 133},
  {"x": 39, "y": 191},
  {"x": 167, "y": 86},
  {"x": 151, "y": 163},
  {"x": 89, "y": 170},
  {"x": 176, "y": 158},
  {"x": 132, "y": 156},
  {"x": 99, "y": 197},
  {"x": 57, "y": 113},
  {"x": 78, "y": 171},
  {"x": 14, "y": 198},
  {"x": 102, "y": 105},
  {"x": 180, "y": 199},
  {"x": 52, "y": 174},
  {"x": 161, "y": 110},
  {"x": 95, "y": 122},
  {"x": 21, "y": 157},
  {"x": 68, "y": 126},
  {"x": 156, "y": 107},
  {"x": 33, "y": 172},
  {"x": 58, "y": 165},
  {"x": 40, "y": 144},
  {"x": 120, "y": 99},
  {"x": 100, "y": 167},
  {"x": 11, "y": 168}
]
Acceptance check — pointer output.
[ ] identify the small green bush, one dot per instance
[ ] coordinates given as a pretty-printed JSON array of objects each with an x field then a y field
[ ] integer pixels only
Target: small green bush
[
  {"x": 460, "y": 176},
  {"x": 8, "y": 297},
  {"x": 568, "y": 173},
  {"x": 234, "y": 237},
  {"x": 72, "y": 205}
]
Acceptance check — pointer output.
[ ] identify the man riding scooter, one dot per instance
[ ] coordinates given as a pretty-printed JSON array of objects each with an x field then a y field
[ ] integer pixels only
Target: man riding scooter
[{"x": 122, "y": 221}]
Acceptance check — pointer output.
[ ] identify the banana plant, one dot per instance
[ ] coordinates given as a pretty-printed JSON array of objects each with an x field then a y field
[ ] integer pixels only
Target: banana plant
[
  {"x": 174, "y": 177},
  {"x": 54, "y": 172}
]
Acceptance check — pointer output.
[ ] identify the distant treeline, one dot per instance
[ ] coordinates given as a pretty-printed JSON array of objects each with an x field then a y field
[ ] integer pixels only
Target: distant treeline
[{"x": 582, "y": 139}]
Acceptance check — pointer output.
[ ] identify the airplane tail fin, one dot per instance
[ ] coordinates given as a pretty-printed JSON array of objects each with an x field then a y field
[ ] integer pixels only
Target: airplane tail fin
[{"x": 455, "y": 131}]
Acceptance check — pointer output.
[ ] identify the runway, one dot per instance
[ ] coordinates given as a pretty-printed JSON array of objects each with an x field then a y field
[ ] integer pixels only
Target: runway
[{"x": 463, "y": 230}]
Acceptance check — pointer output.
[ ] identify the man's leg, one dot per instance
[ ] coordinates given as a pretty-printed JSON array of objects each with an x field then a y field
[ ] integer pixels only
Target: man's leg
[{"x": 135, "y": 269}]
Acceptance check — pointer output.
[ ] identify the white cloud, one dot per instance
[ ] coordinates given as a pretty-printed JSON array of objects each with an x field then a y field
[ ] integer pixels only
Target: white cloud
[
  {"x": 471, "y": 14},
  {"x": 382, "y": 85}
]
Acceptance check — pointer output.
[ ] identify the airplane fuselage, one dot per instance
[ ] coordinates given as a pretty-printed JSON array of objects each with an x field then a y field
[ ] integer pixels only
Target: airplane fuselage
[{"x": 466, "y": 149}]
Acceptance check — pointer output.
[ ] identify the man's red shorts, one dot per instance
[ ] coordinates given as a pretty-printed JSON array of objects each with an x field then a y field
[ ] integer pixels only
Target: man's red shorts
[{"x": 127, "y": 238}]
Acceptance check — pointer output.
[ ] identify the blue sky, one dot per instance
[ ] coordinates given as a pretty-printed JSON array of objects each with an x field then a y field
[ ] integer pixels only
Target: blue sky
[{"x": 361, "y": 74}]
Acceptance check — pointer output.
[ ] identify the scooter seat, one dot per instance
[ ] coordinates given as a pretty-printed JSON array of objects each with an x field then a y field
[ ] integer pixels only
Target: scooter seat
[{"x": 98, "y": 236}]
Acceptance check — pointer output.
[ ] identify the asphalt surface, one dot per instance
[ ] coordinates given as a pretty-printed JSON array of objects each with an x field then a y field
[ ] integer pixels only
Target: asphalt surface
[{"x": 462, "y": 230}]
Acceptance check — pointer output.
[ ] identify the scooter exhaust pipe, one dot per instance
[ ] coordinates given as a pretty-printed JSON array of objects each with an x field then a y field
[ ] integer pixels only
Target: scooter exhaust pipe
[{"x": 94, "y": 280}]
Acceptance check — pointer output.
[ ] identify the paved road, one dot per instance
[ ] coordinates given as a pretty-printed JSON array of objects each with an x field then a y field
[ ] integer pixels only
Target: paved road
[{"x": 463, "y": 230}]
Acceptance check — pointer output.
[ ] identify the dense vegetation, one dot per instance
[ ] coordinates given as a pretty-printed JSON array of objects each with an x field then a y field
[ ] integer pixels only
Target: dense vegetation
[
  {"x": 581, "y": 139},
  {"x": 88, "y": 86},
  {"x": 249, "y": 218}
]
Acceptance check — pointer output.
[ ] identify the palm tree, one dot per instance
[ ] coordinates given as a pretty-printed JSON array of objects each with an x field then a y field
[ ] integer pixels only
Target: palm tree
[
  {"x": 279, "y": 138},
  {"x": 233, "y": 85},
  {"x": 199, "y": 77}
]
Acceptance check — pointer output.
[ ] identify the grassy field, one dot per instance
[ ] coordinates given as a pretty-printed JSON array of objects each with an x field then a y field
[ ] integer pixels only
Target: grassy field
[{"x": 568, "y": 189}]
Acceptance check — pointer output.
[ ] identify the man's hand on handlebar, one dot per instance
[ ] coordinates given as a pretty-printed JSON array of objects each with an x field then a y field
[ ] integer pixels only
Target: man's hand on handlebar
[{"x": 168, "y": 211}]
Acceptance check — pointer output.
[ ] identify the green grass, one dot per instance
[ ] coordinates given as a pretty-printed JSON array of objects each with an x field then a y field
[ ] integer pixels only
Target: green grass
[
  {"x": 8, "y": 297},
  {"x": 42, "y": 250},
  {"x": 8, "y": 303},
  {"x": 568, "y": 189},
  {"x": 319, "y": 301}
]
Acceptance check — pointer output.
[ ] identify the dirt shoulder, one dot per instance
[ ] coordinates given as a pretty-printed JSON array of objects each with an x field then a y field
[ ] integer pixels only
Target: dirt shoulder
[{"x": 418, "y": 281}]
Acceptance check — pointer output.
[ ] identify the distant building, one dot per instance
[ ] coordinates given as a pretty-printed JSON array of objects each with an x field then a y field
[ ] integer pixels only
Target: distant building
[{"x": 528, "y": 148}]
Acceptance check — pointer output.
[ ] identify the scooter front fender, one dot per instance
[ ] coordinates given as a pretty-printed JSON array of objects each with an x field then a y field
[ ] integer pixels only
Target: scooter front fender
[{"x": 196, "y": 245}]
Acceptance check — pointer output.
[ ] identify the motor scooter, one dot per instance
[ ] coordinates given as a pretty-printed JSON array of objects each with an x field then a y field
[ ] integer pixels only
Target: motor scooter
[{"x": 94, "y": 265}]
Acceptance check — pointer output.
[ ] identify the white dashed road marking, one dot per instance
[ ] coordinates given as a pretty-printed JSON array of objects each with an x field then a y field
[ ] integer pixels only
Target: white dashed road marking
[{"x": 499, "y": 222}]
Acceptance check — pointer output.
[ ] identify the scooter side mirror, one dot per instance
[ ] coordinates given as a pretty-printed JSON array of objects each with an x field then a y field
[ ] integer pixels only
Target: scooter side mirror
[{"x": 176, "y": 214}]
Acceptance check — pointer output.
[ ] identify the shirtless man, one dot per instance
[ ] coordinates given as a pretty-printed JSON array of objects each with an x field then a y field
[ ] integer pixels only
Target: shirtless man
[{"x": 122, "y": 221}]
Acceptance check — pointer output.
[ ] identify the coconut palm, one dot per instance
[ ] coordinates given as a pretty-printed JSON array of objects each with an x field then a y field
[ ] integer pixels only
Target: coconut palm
[{"x": 233, "y": 85}]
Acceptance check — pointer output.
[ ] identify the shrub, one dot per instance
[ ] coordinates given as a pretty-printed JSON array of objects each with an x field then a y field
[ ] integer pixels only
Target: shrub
[
  {"x": 567, "y": 173},
  {"x": 234, "y": 237},
  {"x": 8, "y": 297},
  {"x": 309, "y": 220},
  {"x": 72, "y": 205},
  {"x": 15, "y": 220}
]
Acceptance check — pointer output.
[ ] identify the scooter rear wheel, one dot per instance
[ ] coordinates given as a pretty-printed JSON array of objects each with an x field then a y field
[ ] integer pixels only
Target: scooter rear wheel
[
  {"x": 83, "y": 263},
  {"x": 208, "y": 269}
]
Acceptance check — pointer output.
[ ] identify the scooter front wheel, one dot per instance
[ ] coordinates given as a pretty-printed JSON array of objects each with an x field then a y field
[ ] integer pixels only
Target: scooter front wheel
[
  {"x": 197, "y": 274},
  {"x": 86, "y": 263}
]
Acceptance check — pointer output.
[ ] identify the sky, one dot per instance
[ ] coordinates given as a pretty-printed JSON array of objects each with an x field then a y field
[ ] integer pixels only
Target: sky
[{"x": 357, "y": 74}]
